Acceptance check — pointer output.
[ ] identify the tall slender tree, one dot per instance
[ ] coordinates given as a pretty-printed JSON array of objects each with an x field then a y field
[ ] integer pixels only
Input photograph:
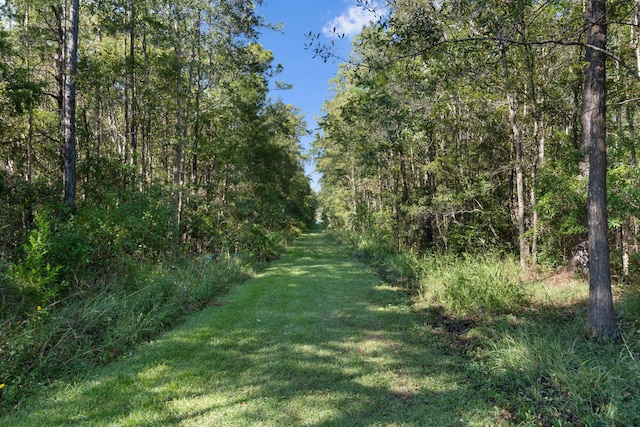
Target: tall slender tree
[
  {"x": 601, "y": 319},
  {"x": 71, "y": 13}
]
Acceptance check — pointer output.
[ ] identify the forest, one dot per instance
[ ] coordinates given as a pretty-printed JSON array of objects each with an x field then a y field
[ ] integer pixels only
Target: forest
[
  {"x": 467, "y": 126},
  {"x": 472, "y": 149},
  {"x": 133, "y": 135}
]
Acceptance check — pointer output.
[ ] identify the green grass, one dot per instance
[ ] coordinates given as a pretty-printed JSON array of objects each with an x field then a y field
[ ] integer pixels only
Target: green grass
[
  {"x": 531, "y": 357},
  {"x": 314, "y": 340},
  {"x": 473, "y": 286},
  {"x": 101, "y": 322}
]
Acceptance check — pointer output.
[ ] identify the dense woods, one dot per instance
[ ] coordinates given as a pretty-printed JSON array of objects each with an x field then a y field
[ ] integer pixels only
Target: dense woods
[
  {"x": 133, "y": 134},
  {"x": 472, "y": 126},
  {"x": 474, "y": 152},
  {"x": 146, "y": 132}
]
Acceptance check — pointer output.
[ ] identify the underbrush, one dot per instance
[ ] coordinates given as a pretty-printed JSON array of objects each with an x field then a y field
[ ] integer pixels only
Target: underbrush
[
  {"x": 541, "y": 373},
  {"x": 400, "y": 268},
  {"x": 528, "y": 352},
  {"x": 102, "y": 321},
  {"x": 473, "y": 286}
]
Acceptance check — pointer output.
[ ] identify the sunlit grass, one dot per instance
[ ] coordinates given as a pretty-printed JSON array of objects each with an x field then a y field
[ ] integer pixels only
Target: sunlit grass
[
  {"x": 315, "y": 339},
  {"x": 318, "y": 340}
]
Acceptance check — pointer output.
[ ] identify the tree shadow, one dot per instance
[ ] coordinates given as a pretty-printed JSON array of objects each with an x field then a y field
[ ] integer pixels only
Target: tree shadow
[{"x": 314, "y": 340}]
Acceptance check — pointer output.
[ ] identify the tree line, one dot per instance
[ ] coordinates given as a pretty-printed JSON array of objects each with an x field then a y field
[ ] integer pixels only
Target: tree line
[
  {"x": 139, "y": 130},
  {"x": 468, "y": 126}
]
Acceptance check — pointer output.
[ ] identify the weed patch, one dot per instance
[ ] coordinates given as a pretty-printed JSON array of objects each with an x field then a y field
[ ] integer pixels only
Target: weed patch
[
  {"x": 475, "y": 287},
  {"x": 101, "y": 323}
]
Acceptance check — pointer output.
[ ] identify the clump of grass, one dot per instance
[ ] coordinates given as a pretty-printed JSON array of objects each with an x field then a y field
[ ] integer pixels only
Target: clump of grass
[
  {"x": 548, "y": 373},
  {"x": 473, "y": 286},
  {"x": 102, "y": 322},
  {"x": 630, "y": 307},
  {"x": 538, "y": 366}
]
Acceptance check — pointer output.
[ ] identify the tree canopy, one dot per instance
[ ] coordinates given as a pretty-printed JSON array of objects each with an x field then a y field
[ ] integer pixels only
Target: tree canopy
[{"x": 460, "y": 126}]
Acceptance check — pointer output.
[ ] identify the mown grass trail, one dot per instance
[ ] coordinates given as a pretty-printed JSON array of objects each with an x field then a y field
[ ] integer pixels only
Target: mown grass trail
[{"x": 314, "y": 340}]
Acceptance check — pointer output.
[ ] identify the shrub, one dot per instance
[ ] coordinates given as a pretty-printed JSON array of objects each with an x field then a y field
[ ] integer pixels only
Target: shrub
[
  {"x": 475, "y": 285},
  {"x": 94, "y": 325},
  {"x": 261, "y": 243},
  {"x": 34, "y": 279}
]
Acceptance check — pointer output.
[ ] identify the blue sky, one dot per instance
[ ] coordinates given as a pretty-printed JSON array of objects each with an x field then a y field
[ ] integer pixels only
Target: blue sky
[{"x": 309, "y": 76}]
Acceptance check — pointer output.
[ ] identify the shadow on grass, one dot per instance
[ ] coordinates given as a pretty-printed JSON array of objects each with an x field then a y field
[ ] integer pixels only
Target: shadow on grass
[
  {"x": 538, "y": 366},
  {"x": 314, "y": 340}
]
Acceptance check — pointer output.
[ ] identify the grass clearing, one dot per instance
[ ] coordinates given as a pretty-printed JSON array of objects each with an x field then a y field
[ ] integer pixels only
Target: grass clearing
[
  {"x": 317, "y": 340},
  {"x": 314, "y": 340}
]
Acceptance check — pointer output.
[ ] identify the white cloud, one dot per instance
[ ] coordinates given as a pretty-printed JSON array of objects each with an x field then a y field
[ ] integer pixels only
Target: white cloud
[{"x": 350, "y": 23}]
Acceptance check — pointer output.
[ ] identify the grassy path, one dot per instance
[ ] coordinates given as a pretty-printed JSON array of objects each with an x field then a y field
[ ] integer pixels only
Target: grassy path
[{"x": 314, "y": 340}]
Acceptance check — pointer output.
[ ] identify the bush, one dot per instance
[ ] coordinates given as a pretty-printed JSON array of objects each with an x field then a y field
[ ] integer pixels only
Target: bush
[
  {"x": 474, "y": 286},
  {"x": 262, "y": 244},
  {"x": 97, "y": 324},
  {"x": 34, "y": 280}
]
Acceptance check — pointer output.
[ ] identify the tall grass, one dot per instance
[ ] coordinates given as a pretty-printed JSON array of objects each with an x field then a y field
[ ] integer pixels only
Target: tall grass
[
  {"x": 473, "y": 286},
  {"x": 548, "y": 373},
  {"x": 104, "y": 320},
  {"x": 529, "y": 354},
  {"x": 401, "y": 268}
]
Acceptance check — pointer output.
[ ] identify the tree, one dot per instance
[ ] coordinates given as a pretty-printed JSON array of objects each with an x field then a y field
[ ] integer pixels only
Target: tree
[
  {"x": 68, "y": 118},
  {"x": 601, "y": 319}
]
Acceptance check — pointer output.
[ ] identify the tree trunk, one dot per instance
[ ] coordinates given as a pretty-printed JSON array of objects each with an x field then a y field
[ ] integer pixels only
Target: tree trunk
[
  {"x": 179, "y": 148},
  {"x": 601, "y": 319},
  {"x": 146, "y": 160},
  {"x": 517, "y": 143},
  {"x": 636, "y": 31},
  {"x": 133, "y": 120},
  {"x": 69, "y": 102},
  {"x": 539, "y": 144}
]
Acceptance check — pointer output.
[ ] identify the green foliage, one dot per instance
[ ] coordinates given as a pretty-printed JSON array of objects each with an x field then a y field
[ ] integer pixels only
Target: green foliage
[
  {"x": 260, "y": 243},
  {"x": 473, "y": 286},
  {"x": 34, "y": 279},
  {"x": 96, "y": 325},
  {"x": 561, "y": 206},
  {"x": 542, "y": 371},
  {"x": 399, "y": 268},
  {"x": 629, "y": 312}
]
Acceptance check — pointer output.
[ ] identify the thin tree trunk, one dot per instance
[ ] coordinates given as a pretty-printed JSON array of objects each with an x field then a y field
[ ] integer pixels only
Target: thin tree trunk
[
  {"x": 145, "y": 161},
  {"x": 179, "y": 148},
  {"x": 636, "y": 32},
  {"x": 601, "y": 319},
  {"x": 29, "y": 154},
  {"x": 197, "y": 128},
  {"x": 517, "y": 143},
  {"x": 133, "y": 120},
  {"x": 69, "y": 103},
  {"x": 539, "y": 142}
]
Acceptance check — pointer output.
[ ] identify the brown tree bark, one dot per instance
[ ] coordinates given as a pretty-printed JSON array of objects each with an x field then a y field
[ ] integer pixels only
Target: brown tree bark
[{"x": 601, "y": 319}]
